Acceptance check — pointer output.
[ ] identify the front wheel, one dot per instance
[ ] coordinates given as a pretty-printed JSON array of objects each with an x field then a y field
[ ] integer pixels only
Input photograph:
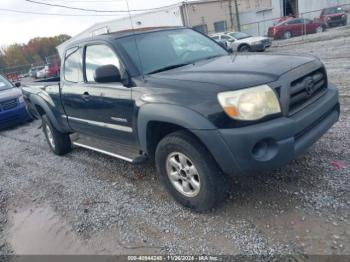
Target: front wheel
[
  {"x": 189, "y": 173},
  {"x": 244, "y": 48},
  {"x": 59, "y": 142}
]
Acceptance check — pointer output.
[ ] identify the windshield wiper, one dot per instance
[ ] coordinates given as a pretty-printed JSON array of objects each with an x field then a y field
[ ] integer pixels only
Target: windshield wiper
[{"x": 166, "y": 68}]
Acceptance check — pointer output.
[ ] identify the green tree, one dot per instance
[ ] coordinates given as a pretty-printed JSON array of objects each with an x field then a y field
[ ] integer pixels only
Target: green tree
[
  {"x": 34, "y": 52},
  {"x": 2, "y": 59},
  {"x": 14, "y": 55}
]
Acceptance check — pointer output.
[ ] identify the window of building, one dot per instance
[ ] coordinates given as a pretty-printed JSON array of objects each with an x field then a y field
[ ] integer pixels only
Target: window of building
[
  {"x": 96, "y": 56},
  {"x": 201, "y": 28},
  {"x": 72, "y": 65},
  {"x": 220, "y": 27},
  {"x": 263, "y": 4}
]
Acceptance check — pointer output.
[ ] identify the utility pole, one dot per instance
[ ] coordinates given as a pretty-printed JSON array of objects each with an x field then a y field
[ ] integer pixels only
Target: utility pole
[
  {"x": 237, "y": 16},
  {"x": 231, "y": 14}
]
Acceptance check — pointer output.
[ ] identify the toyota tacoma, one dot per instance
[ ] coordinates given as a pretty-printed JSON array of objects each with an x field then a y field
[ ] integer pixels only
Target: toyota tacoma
[{"x": 202, "y": 113}]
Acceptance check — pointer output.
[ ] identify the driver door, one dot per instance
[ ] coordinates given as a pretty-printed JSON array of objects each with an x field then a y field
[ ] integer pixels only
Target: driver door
[{"x": 101, "y": 110}]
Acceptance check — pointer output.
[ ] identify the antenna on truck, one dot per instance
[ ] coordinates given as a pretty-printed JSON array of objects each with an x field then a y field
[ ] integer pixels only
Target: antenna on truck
[{"x": 135, "y": 40}]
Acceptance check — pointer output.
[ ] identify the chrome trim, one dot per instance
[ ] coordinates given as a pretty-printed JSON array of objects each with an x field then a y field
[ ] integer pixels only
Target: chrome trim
[
  {"x": 119, "y": 119},
  {"x": 104, "y": 152},
  {"x": 102, "y": 124}
]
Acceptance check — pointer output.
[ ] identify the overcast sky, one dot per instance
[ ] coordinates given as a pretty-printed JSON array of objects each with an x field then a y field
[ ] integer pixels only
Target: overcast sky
[{"x": 20, "y": 28}]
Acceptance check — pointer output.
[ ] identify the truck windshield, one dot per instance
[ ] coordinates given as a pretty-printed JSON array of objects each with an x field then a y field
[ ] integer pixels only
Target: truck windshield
[
  {"x": 168, "y": 49},
  {"x": 4, "y": 84}
]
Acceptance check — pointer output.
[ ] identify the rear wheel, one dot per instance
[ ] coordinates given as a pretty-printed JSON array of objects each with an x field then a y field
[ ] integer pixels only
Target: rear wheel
[
  {"x": 319, "y": 29},
  {"x": 189, "y": 173},
  {"x": 287, "y": 35},
  {"x": 59, "y": 142}
]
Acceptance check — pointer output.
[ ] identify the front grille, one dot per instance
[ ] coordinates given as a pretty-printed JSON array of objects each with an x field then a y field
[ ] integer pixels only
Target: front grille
[
  {"x": 7, "y": 105},
  {"x": 266, "y": 41},
  {"x": 306, "y": 90},
  {"x": 336, "y": 18}
]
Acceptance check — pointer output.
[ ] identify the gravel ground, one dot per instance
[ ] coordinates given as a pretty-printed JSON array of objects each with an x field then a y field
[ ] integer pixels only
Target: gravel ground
[{"x": 112, "y": 207}]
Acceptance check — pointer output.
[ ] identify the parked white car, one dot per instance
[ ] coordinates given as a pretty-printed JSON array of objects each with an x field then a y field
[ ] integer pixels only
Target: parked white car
[
  {"x": 243, "y": 42},
  {"x": 43, "y": 73}
]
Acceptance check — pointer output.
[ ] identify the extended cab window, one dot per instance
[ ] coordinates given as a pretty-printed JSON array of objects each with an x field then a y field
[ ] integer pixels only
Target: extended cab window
[
  {"x": 96, "y": 56},
  {"x": 72, "y": 65}
]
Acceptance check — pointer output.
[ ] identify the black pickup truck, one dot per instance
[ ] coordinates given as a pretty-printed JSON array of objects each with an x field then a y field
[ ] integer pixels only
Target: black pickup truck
[{"x": 199, "y": 111}]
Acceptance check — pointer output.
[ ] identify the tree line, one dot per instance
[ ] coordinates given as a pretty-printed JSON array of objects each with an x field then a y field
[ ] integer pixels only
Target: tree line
[{"x": 34, "y": 52}]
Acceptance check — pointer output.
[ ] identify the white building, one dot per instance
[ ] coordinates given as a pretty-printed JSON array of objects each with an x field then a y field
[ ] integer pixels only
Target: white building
[
  {"x": 256, "y": 16},
  {"x": 213, "y": 16},
  {"x": 167, "y": 16}
]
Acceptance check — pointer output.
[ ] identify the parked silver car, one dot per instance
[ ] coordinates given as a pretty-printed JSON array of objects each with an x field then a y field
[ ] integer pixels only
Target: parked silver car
[{"x": 243, "y": 42}]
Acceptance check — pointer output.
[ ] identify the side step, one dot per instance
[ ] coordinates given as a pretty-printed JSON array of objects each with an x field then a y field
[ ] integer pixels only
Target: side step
[{"x": 108, "y": 147}]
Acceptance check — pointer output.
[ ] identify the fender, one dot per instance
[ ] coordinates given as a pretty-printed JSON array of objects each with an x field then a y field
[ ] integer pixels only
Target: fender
[
  {"x": 201, "y": 127},
  {"x": 54, "y": 116},
  {"x": 172, "y": 114}
]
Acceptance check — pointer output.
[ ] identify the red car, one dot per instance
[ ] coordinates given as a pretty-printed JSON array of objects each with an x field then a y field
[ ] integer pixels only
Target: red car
[
  {"x": 334, "y": 16},
  {"x": 54, "y": 69},
  {"x": 295, "y": 27}
]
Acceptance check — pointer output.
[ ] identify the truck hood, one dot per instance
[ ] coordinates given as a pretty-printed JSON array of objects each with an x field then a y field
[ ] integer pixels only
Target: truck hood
[
  {"x": 236, "y": 72},
  {"x": 9, "y": 94}
]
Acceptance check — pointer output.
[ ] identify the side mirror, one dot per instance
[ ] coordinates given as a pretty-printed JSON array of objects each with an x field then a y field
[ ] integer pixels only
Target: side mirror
[
  {"x": 18, "y": 84},
  {"x": 107, "y": 74}
]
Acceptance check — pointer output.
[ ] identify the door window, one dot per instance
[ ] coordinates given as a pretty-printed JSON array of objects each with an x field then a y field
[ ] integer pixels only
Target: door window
[
  {"x": 226, "y": 38},
  {"x": 295, "y": 21},
  {"x": 72, "y": 65},
  {"x": 96, "y": 56}
]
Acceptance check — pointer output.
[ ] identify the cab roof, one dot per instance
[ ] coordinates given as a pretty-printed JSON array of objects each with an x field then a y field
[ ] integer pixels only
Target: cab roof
[{"x": 123, "y": 33}]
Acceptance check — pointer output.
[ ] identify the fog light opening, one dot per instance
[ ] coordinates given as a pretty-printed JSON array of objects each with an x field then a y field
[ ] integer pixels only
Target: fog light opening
[{"x": 265, "y": 150}]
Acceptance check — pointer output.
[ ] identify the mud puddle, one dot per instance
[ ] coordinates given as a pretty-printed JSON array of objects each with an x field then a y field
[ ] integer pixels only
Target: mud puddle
[{"x": 41, "y": 231}]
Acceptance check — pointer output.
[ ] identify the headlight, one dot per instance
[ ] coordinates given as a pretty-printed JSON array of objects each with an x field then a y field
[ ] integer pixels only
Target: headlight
[
  {"x": 250, "y": 104},
  {"x": 21, "y": 99}
]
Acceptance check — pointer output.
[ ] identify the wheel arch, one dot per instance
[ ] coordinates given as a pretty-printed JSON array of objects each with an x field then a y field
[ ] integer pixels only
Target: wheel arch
[
  {"x": 155, "y": 121},
  {"x": 42, "y": 108},
  {"x": 243, "y": 44}
]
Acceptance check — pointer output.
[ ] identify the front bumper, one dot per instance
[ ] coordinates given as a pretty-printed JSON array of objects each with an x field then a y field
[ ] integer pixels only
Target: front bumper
[
  {"x": 259, "y": 47},
  {"x": 274, "y": 143},
  {"x": 14, "y": 116}
]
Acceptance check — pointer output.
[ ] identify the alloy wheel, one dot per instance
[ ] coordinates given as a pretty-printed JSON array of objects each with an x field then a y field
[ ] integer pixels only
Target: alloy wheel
[{"x": 183, "y": 174}]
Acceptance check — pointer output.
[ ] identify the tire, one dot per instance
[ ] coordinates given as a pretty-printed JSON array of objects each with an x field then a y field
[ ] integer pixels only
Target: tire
[
  {"x": 287, "y": 35},
  {"x": 244, "y": 48},
  {"x": 59, "y": 142},
  {"x": 207, "y": 188},
  {"x": 319, "y": 29}
]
